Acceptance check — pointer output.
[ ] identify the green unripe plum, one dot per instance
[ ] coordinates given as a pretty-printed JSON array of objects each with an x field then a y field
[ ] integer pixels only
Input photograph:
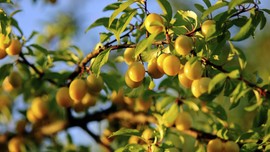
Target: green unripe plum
[
  {"x": 231, "y": 146},
  {"x": 183, "y": 121},
  {"x": 94, "y": 84},
  {"x": 183, "y": 45},
  {"x": 208, "y": 28},
  {"x": 200, "y": 86}
]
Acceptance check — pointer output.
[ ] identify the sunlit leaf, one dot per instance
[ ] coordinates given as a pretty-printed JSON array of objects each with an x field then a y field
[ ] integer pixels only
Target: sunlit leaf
[
  {"x": 126, "y": 132},
  {"x": 213, "y": 8},
  {"x": 218, "y": 79},
  {"x": 166, "y": 8},
  {"x": 100, "y": 60}
]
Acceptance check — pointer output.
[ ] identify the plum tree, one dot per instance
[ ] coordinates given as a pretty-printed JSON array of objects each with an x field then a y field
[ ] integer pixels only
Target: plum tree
[{"x": 175, "y": 80}]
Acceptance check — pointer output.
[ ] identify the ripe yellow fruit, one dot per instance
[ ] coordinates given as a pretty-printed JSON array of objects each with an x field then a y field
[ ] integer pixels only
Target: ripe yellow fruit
[
  {"x": 130, "y": 83},
  {"x": 231, "y": 146},
  {"x": 94, "y": 84},
  {"x": 129, "y": 101},
  {"x": 6, "y": 85},
  {"x": 4, "y": 101},
  {"x": 129, "y": 55},
  {"x": 143, "y": 105},
  {"x": 133, "y": 140},
  {"x": 184, "y": 81},
  {"x": 16, "y": 144},
  {"x": 117, "y": 97},
  {"x": 4, "y": 41},
  {"x": 53, "y": 127},
  {"x": 215, "y": 145},
  {"x": 3, "y": 53},
  {"x": 208, "y": 27},
  {"x": 147, "y": 134},
  {"x": 171, "y": 65},
  {"x": 154, "y": 23},
  {"x": 193, "y": 70},
  {"x": 63, "y": 98},
  {"x": 160, "y": 60},
  {"x": 200, "y": 86},
  {"x": 183, "y": 45},
  {"x": 153, "y": 69},
  {"x": 183, "y": 121},
  {"x": 136, "y": 71},
  {"x": 39, "y": 107},
  {"x": 77, "y": 89},
  {"x": 14, "y": 48},
  {"x": 89, "y": 100},
  {"x": 30, "y": 116}
]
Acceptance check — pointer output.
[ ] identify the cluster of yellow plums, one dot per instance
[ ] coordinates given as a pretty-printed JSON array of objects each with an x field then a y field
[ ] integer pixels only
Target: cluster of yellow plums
[
  {"x": 9, "y": 46},
  {"x": 216, "y": 145},
  {"x": 189, "y": 74},
  {"x": 81, "y": 94}
]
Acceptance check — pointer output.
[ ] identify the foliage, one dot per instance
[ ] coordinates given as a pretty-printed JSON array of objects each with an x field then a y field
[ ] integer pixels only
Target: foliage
[{"x": 153, "y": 114}]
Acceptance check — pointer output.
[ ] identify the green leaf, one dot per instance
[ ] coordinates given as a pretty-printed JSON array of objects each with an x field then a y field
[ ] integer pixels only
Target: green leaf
[
  {"x": 199, "y": 7},
  {"x": 188, "y": 19},
  {"x": 120, "y": 9},
  {"x": 207, "y": 3},
  {"x": 258, "y": 103},
  {"x": 105, "y": 36},
  {"x": 161, "y": 105},
  {"x": 170, "y": 115},
  {"x": 100, "y": 60},
  {"x": 39, "y": 48},
  {"x": 263, "y": 20},
  {"x": 126, "y": 132},
  {"x": 111, "y": 80},
  {"x": 142, "y": 45},
  {"x": 5, "y": 70},
  {"x": 244, "y": 32},
  {"x": 99, "y": 22},
  {"x": 126, "y": 18},
  {"x": 218, "y": 110},
  {"x": 218, "y": 79},
  {"x": 266, "y": 11},
  {"x": 241, "y": 56},
  {"x": 234, "y": 3},
  {"x": 166, "y": 8},
  {"x": 235, "y": 74},
  {"x": 213, "y": 8}
]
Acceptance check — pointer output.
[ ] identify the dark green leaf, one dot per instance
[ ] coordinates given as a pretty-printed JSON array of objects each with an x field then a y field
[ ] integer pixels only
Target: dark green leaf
[
  {"x": 218, "y": 110},
  {"x": 266, "y": 11},
  {"x": 5, "y": 70},
  {"x": 100, "y": 60},
  {"x": 166, "y": 8},
  {"x": 99, "y": 22},
  {"x": 218, "y": 79},
  {"x": 241, "y": 56},
  {"x": 126, "y": 132},
  {"x": 263, "y": 21},
  {"x": 207, "y": 2},
  {"x": 111, "y": 80},
  {"x": 199, "y": 7},
  {"x": 39, "y": 48}
]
